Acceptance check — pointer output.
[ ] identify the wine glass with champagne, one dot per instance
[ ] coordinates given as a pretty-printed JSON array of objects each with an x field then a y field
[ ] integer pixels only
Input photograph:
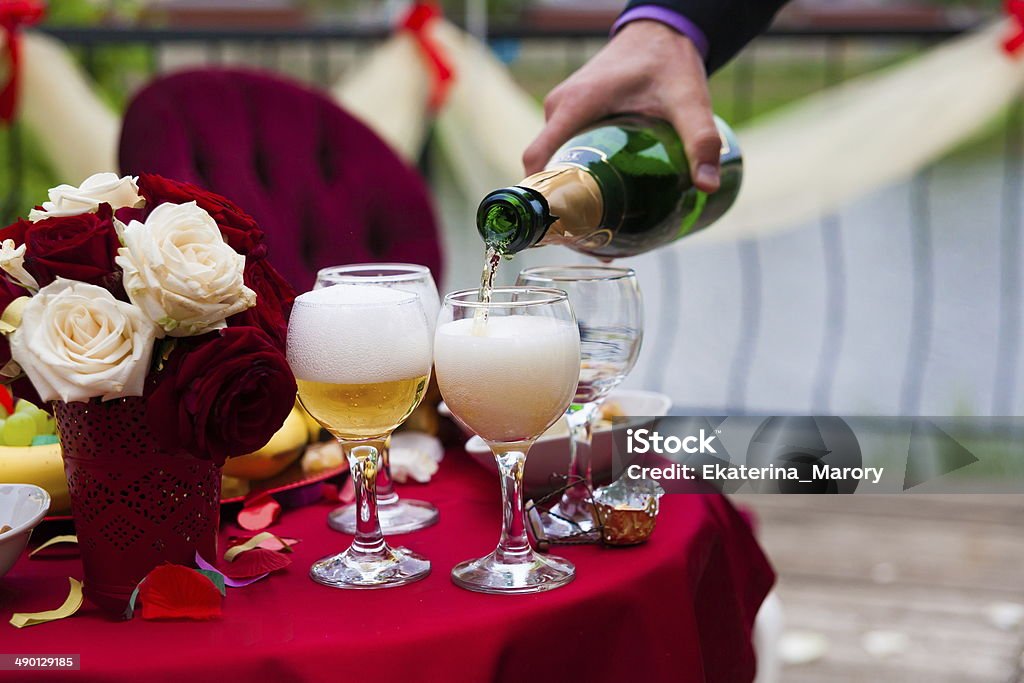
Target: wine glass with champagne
[
  {"x": 397, "y": 515},
  {"x": 507, "y": 369},
  {"x": 361, "y": 357},
  {"x": 608, "y": 308}
]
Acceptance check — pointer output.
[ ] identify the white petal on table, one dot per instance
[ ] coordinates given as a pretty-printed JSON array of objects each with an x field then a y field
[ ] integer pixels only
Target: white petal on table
[
  {"x": 411, "y": 463},
  {"x": 418, "y": 441}
]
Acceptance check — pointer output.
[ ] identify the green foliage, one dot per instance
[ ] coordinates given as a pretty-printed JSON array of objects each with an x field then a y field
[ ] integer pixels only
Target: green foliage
[
  {"x": 116, "y": 71},
  {"x": 73, "y": 12},
  {"x": 88, "y": 12},
  {"x": 497, "y": 8}
]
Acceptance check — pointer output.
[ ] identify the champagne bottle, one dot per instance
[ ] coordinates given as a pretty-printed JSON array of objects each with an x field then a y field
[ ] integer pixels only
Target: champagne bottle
[{"x": 619, "y": 188}]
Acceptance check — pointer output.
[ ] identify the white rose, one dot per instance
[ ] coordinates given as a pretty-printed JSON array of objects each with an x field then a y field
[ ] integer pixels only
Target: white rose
[
  {"x": 12, "y": 262},
  {"x": 179, "y": 270},
  {"x": 101, "y": 188},
  {"x": 76, "y": 342}
]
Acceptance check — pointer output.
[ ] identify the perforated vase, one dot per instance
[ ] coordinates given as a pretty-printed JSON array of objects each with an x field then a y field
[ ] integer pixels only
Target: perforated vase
[{"x": 135, "y": 505}]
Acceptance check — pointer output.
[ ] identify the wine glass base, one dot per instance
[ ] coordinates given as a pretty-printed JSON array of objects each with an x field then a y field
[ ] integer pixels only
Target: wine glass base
[
  {"x": 400, "y": 517},
  {"x": 536, "y": 573},
  {"x": 393, "y": 567}
]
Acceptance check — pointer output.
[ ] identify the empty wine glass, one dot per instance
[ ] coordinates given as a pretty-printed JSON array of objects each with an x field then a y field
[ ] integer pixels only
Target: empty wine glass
[
  {"x": 397, "y": 515},
  {"x": 608, "y": 308}
]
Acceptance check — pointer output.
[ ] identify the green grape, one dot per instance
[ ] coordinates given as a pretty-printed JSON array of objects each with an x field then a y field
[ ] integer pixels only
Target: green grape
[
  {"x": 51, "y": 425},
  {"x": 2, "y": 442},
  {"x": 19, "y": 429},
  {"x": 41, "y": 418},
  {"x": 23, "y": 406}
]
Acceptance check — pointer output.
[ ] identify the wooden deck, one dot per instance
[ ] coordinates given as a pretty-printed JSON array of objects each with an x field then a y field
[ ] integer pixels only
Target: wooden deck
[{"x": 933, "y": 568}]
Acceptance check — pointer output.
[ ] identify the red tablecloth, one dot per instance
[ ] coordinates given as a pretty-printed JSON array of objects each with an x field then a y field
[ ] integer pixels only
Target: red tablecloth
[{"x": 679, "y": 608}]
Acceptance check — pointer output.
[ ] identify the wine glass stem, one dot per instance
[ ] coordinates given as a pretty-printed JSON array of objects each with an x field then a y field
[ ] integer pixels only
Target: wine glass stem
[
  {"x": 581, "y": 419},
  {"x": 385, "y": 484},
  {"x": 514, "y": 546},
  {"x": 364, "y": 462}
]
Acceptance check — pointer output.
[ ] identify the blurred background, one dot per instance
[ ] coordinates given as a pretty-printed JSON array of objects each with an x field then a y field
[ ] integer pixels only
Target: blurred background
[{"x": 904, "y": 299}]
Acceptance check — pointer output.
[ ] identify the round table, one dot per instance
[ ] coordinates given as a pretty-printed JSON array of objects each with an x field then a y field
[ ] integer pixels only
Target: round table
[{"x": 679, "y": 608}]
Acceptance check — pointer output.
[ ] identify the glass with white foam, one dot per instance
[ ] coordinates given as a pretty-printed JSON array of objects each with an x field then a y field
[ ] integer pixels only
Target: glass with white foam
[
  {"x": 361, "y": 358},
  {"x": 397, "y": 515},
  {"x": 507, "y": 370}
]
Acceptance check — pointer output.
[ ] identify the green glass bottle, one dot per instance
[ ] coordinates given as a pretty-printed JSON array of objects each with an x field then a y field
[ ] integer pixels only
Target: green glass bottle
[{"x": 619, "y": 188}]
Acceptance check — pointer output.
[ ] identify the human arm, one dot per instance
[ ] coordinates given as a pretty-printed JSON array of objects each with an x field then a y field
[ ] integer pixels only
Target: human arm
[{"x": 655, "y": 67}]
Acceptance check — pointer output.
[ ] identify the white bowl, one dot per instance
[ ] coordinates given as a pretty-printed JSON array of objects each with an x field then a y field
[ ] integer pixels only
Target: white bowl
[
  {"x": 22, "y": 507},
  {"x": 550, "y": 454}
]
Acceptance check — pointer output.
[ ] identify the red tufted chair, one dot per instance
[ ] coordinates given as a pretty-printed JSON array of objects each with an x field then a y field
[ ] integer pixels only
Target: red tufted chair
[{"x": 322, "y": 185}]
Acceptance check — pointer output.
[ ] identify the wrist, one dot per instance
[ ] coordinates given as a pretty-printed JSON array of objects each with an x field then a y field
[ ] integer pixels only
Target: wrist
[{"x": 647, "y": 14}]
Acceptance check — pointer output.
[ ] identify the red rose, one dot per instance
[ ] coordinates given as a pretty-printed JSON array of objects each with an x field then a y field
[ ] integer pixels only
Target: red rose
[
  {"x": 79, "y": 247},
  {"x": 21, "y": 387},
  {"x": 274, "y": 297},
  {"x": 238, "y": 228},
  {"x": 8, "y": 293},
  {"x": 221, "y": 395},
  {"x": 16, "y": 231}
]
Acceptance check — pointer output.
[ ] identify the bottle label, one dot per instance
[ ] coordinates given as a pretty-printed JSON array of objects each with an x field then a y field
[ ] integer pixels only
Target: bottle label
[{"x": 595, "y": 161}]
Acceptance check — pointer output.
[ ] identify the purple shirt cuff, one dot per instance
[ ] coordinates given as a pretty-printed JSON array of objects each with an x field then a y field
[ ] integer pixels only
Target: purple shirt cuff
[{"x": 670, "y": 18}]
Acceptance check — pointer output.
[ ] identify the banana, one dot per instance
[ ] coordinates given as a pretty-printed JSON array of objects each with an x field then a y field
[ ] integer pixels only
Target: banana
[
  {"x": 282, "y": 450},
  {"x": 233, "y": 487},
  {"x": 44, "y": 466},
  {"x": 311, "y": 423},
  {"x": 39, "y": 465}
]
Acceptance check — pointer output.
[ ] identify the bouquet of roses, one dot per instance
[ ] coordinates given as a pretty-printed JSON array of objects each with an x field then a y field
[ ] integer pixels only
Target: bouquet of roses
[{"x": 155, "y": 288}]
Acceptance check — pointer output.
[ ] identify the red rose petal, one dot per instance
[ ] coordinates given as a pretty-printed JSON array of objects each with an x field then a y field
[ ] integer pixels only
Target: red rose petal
[
  {"x": 6, "y": 399},
  {"x": 259, "y": 514},
  {"x": 172, "y": 591},
  {"x": 330, "y": 492},
  {"x": 347, "y": 494},
  {"x": 253, "y": 563}
]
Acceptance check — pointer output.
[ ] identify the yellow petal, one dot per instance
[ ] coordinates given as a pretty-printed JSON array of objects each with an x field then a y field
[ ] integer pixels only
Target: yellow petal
[
  {"x": 69, "y": 538},
  {"x": 70, "y": 606},
  {"x": 254, "y": 542}
]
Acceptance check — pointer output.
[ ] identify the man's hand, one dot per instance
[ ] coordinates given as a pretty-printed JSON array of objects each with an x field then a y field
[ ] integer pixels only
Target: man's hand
[{"x": 647, "y": 68}]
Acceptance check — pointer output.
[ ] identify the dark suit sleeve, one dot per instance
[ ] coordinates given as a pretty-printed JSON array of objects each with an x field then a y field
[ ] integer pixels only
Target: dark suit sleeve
[{"x": 728, "y": 25}]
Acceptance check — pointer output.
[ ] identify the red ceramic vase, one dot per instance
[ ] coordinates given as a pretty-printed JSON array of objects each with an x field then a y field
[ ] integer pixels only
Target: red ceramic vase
[{"x": 135, "y": 505}]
